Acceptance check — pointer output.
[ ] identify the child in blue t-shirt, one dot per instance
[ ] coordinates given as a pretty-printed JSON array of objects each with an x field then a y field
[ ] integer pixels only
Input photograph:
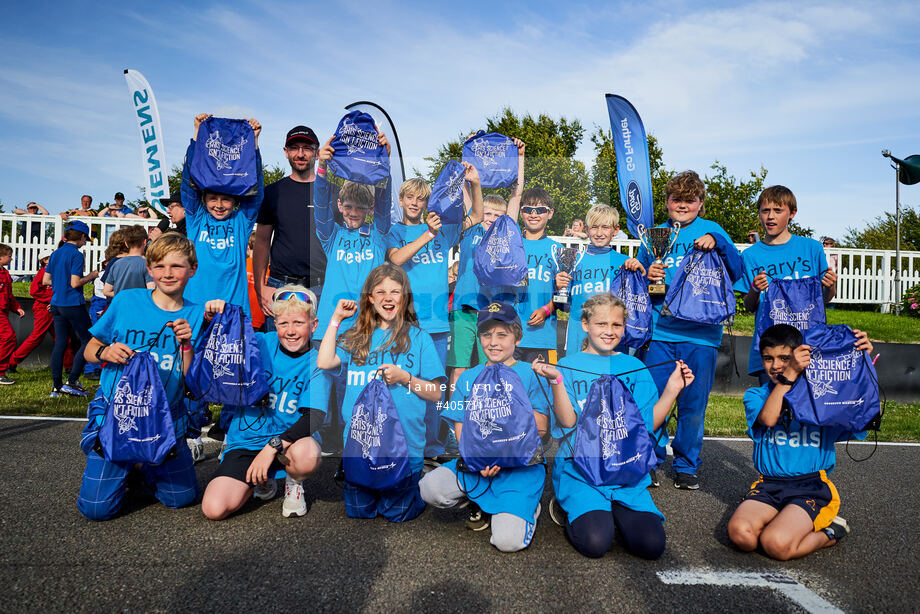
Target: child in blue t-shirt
[
  {"x": 128, "y": 271},
  {"x": 354, "y": 247},
  {"x": 423, "y": 251},
  {"x": 463, "y": 349},
  {"x": 64, "y": 274},
  {"x": 594, "y": 270},
  {"x": 162, "y": 322},
  {"x": 594, "y": 515},
  {"x": 219, "y": 225},
  {"x": 385, "y": 342},
  {"x": 508, "y": 499},
  {"x": 274, "y": 440},
  {"x": 781, "y": 255},
  {"x": 792, "y": 509},
  {"x": 672, "y": 338},
  {"x": 536, "y": 308}
]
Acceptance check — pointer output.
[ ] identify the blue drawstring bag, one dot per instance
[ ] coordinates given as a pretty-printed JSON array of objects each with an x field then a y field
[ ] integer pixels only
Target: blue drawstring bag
[
  {"x": 376, "y": 454},
  {"x": 797, "y": 302},
  {"x": 840, "y": 387},
  {"x": 495, "y": 156},
  {"x": 701, "y": 290},
  {"x": 138, "y": 424},
  {"x": 612, "y": 443},
  {"x": 631, "y": 287},
  {"x": 498, "y": 424},
  {"x": 358, "y": 154},
  {"x": 447, "y": 194},
  {"x": 227, "y": 365},
  {"x": 500, "y": 259},
  {"x": 223, "y": 158}
]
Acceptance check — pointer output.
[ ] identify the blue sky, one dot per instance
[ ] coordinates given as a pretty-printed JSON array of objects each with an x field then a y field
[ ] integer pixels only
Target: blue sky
[{"x": 811, "y": 91}]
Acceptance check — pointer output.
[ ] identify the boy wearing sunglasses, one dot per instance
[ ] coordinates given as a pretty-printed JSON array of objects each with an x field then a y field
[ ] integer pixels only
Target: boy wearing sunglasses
[{"x": 536, "y": 309}]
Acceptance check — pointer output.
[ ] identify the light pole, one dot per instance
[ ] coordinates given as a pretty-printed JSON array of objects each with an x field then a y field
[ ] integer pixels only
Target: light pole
[{"x": 906, "y": 171}]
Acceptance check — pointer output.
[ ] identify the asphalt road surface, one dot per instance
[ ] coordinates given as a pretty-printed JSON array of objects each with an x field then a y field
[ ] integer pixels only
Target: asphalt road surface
[{"x": 154, "y": 559}]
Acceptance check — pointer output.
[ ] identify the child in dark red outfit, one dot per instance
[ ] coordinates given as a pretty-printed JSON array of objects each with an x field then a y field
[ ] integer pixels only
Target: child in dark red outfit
[
  {"x": 41, "y": 315},
  {"x": 8, "y": 302}
]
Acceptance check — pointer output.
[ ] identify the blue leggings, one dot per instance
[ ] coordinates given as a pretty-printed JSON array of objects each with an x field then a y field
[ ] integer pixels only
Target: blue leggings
[
  {"x": 67, "y": 319},
  {"x": 641, "y": 533}
]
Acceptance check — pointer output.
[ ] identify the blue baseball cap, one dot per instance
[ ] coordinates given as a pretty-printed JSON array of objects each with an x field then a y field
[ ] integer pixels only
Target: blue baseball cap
[
  {"x": 503, "y": 312},
  {"x": 78, "y": 225}
]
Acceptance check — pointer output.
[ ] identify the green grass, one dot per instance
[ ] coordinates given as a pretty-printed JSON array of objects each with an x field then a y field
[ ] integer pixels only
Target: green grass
[
  {"x": 883, "y": 327},
  {"x": 724, "y": 416},
  {"x": 21, "y": 290}
]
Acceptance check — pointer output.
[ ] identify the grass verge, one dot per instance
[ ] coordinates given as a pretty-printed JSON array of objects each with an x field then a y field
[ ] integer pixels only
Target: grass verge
[
  {"x": 883, "y": 327},
  {"x": 724, "y": 416}
]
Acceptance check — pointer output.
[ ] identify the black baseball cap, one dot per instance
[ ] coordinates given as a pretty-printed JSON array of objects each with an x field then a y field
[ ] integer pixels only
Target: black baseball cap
[
  {"x": 172, "y": 198},
  {"x": 301, "y": 133},
  {"x": 119, "y": 195},
  {"x": 502, "y": 312}
]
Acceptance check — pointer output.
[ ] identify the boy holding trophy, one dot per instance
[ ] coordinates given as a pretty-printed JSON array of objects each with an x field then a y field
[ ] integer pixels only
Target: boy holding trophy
[{"x": 674, "y": 339}]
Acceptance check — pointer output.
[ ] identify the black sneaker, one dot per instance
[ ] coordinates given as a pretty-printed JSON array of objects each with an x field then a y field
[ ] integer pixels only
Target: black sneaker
[
  {"x": 478, "y": 519},
  {"x": 687, "y": 481},
  {"x": 11, "y": 369},
  {"x": 838, "y": 529},
  {"x": 654, "y": 475}
]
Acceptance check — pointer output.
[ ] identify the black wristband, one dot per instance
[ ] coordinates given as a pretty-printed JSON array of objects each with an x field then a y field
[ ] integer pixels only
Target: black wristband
[
  {"x": 99, "y": 352},
  {"x": 785, "y": 381}
]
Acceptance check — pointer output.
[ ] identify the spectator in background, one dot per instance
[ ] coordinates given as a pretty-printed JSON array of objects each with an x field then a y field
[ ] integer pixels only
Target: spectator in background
[
  {"x": 832, "y": 259},
  {"x": 119, "y": 209},
  {"x": 753, "y": 236},
  {"x": 286, "y": 232},
  {"x": 8, "y": 302},
  {"x": 175, "y": 212},
  {"x": 86, "y": 208},
  {"x": 32, "y": 208},
  {"x": 577, "y": 230},
  {"x": 144, "y": 212}
]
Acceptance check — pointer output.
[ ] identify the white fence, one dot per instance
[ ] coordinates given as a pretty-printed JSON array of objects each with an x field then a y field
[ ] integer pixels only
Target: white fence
[{"x": 866, "y": 275}]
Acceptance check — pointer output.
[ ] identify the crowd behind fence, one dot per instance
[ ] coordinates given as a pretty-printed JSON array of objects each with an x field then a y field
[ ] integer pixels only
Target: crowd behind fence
[{"x": 866, "y": 276}]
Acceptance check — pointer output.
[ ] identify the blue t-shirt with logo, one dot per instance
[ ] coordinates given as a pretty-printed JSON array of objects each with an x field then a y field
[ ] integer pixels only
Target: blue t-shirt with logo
[
  {"x": 135, "y": 320},
  {"x": 351, "y": 254},
  {"x": 592, "y": 274},
  {"x": 797, "y": 258},
  {"x": 467, "y": 292},
  {"x": 219, "y": 244},
  {"x": 786, "y": 451},
  {"x": 513, "y": 491},
  {"x": 421, "y": 361},
  {"x": 64, "y": 262},
  {"x": 541, "y": 282},
  {"x": 427, "y": 271},
  {"x": 294, "y": 383},
  {"x": 574, "y": 492},
  {"x": 674, "y": 330}
]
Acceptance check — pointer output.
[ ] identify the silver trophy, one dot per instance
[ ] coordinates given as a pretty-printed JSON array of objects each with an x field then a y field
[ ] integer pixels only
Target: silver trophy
[
  {"x": 658, "y": 242},
  {"x": 565, "y": 261}
]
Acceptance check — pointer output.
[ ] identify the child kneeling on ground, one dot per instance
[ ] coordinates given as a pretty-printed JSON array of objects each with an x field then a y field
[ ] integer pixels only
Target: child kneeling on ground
[
  {"x": 162, "y": 321},
  {"x": 267, "y": 442},
  {"x": 792, "y": 509},
  {"x": 508, "y": 498}
]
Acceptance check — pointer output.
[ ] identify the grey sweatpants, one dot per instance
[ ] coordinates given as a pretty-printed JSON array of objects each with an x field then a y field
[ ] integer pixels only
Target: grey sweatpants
[{"x": 510, "y": 533}]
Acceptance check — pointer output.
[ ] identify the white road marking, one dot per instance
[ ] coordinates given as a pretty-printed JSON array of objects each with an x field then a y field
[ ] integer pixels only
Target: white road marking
[
  {"x": 781, "y": 583},
  {"x": 51, "y": 418}
]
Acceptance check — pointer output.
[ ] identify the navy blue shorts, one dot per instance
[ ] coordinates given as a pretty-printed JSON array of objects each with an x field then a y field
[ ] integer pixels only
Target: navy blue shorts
[
  {"x": 236, "y": 463},
  {"x": 812, "y": 492},
  {"x": 396, "y": 505}
]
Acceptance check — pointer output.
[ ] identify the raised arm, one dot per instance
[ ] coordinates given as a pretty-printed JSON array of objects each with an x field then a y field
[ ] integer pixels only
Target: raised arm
[
  {"x": 471, "y": 175},
  {"x": 514, "y": 203},
  {"x": 323, "y": 207}
]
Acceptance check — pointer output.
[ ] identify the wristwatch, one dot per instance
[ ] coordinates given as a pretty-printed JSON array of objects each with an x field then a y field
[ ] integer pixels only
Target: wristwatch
[
  {"x": 99, "y": 352},
  {"x": 782, "y": 379},
  {"x": 275, "y": 442}
]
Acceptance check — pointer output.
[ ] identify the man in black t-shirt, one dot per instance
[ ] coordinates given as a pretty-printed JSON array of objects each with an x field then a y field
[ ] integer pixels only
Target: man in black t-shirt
[{"x": 286, "y": 234}]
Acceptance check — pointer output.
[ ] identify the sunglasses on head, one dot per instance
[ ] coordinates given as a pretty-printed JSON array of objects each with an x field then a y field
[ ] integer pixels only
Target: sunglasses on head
[
  {"x": 534, "y": 210},
  {"x": 303, "y": 296}
]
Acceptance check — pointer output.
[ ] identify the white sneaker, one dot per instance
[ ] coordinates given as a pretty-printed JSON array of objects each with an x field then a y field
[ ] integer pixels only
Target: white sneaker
[
  {"x": 223, "y": 448},
  {"x": 294, "y": 502},
  {"x": 196, "y": 446},
  {"x": 266, "y": 491}
]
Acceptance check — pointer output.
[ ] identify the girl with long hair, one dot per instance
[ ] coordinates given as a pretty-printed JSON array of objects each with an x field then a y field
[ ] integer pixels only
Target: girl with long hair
[{"x": 385, "y": 342}]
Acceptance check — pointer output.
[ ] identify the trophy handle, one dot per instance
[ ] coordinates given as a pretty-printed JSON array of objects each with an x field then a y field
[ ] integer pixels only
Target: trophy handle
[
  {"x": 676, "y": 232},
  {"x": 642, "y": 231}
]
